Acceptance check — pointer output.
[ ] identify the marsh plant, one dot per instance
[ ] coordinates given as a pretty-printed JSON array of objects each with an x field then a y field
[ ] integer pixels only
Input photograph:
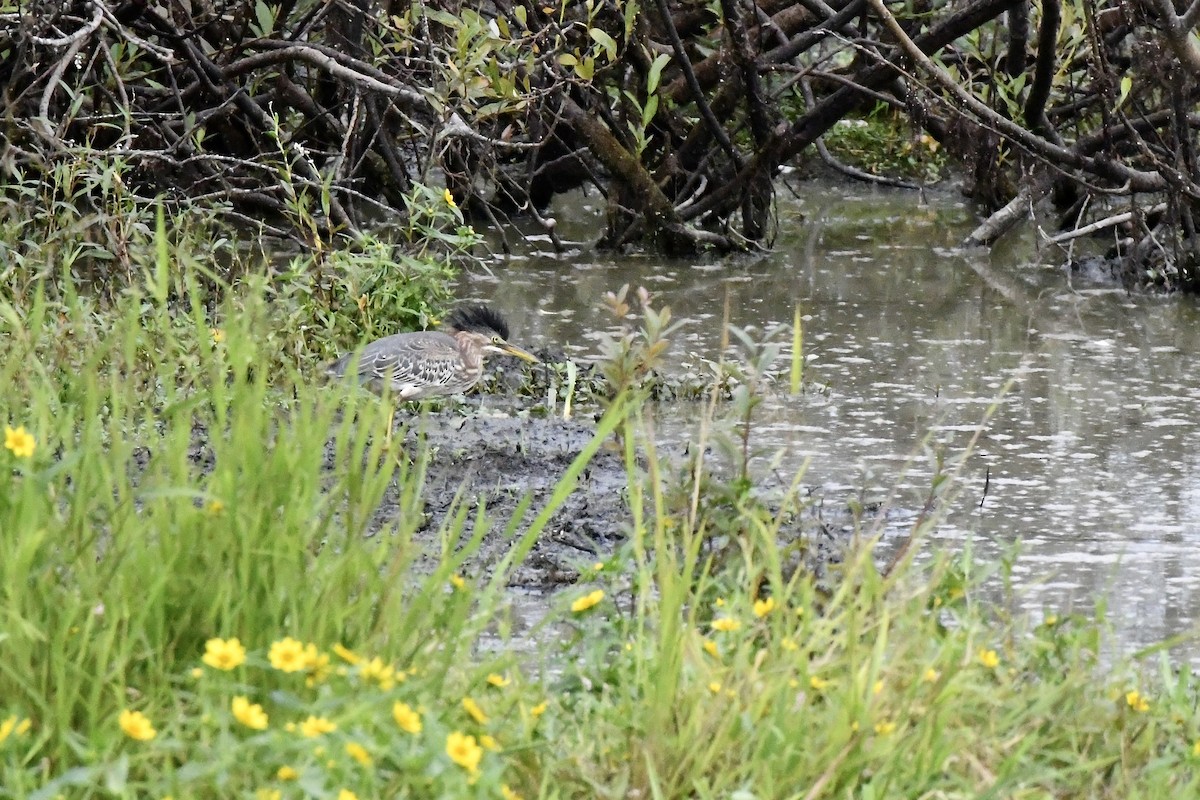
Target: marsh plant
[{"x": 631, "y": 356}]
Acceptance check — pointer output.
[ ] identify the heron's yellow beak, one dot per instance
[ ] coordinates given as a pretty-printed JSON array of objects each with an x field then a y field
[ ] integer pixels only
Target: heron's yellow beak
[{"x": 520, "y": 353}]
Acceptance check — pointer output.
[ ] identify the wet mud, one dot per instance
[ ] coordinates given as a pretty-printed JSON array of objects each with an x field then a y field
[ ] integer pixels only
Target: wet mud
[{"x": 495, "y": 455}]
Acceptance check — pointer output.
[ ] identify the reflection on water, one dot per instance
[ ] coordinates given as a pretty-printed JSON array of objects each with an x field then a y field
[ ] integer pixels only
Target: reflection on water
[{"x": 1087, "y": 458}]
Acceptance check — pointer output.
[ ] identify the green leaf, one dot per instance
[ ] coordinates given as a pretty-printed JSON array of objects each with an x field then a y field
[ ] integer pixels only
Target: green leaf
[
  {"x": 650, "y": 109},
  {"x": 586, "y": 69},
  {"x": 1126, "y": 86},
  {"x": 604, "y": 40},
  {"x": 265, "y": 15},
  {"x": 656, "y": 69}
]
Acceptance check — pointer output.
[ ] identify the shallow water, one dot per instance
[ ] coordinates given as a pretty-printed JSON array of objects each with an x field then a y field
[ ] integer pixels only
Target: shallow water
[{"x": 1093, "y": 393}]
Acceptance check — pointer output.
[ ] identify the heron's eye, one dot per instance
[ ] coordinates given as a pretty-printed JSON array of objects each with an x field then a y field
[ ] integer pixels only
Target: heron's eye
[{"x": 495, "y": 340}]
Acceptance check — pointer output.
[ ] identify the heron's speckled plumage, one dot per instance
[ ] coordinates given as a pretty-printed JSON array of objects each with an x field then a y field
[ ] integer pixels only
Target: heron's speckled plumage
[{"x": 430, "y": 363}]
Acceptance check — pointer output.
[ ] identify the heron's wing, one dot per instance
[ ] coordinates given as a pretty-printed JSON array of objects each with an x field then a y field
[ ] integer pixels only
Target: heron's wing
[{"x": 412, "y": 364}]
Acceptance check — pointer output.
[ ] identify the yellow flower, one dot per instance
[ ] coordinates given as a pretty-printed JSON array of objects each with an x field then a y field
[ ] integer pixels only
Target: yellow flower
[
  {"x": 287, "y": 773},
  {"x": 315, "y": 726},
  {"x": 489, "y": 742},
  {"x": 715, "y": 687},
  {"x": 587, "y": 601},
  {"x": 474, "y": 710},
  {"x": 214, "y": 508},
  {"x": 449, "y": 198},
  {"x": 197, "y": 673},
  {"x": 1196, "y": 749},
  {"x": 346, "y": 794},
  {"x": 710, "y": 647},
  {"x": 789, "y": 644},
  {"x": 931, "y": 675},
  {"x": 817, "y": 682},
  {"x": 1137, "y": 701},
  {"x": 498, "y": 681},
  {"x": 317, "y": 664},
  {"x": 249, "y": 714},
  {"x": 406, "y": 718},
  {"x": 136, "y": 725},
  {"x": 287, "y": 655},
  {"x": 382, "y": 673},
  {"x": 538, "y": 710},
  {"x": 224, "y": 654},
  {"x": 464, "y": 751},
  {"x": 268, "y": 794},
  {"x": 457, "y": 581},
  {"x": 217, "y": 335},
  {"x": 764, "y": 607},
  {"x": 19, "y": 441},
  {"x": 349, "y": 656},
  {"x": 725, "y": 624},
  {"x": 720, "y": 602},
  {"x": 7, "y": 727},
  {"x": 800, "y": 611},
  {"x": 358, "y": 753},
  {"x": 988, "y": 658},
  {"x": 598, "y": 566},
  {"x": 877, "y": 688},
  {"x": 508, "y": 794},
  {"x": 884, "y": 728},
  {"x": 1050, "y": 621}
]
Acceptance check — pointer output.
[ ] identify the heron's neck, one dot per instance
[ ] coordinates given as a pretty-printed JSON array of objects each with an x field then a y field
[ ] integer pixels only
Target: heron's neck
[{"x": 469, "y": 349}]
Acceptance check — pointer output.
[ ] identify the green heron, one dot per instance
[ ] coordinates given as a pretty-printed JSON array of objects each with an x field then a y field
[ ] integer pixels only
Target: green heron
[{"x": 430, "y": 363}]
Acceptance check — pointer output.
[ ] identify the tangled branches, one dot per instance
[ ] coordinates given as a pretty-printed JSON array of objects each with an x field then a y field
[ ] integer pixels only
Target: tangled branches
[{"x": 680, "y": 116}]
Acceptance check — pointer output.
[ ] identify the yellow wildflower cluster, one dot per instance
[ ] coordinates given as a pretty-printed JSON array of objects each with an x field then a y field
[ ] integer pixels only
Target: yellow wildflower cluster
[
  {"x": 345, "y": 654},
  {"x": 587, "y": 601},
  {"x": 472, "y": 708},
  {"x": 14, "y": 725},
  {"x": 19, "y": 441},
  {"x": 292, "y": 655},
  {"x": 359, "y": 753},
  {"x": 408, "y": 719},
  {"x": 249, "y": 714},
  {"x": 764, "y": 607},
  {"x": 136, "y": 726},
  {"x": 988, "y": 658},
  {"x": 499, "y": 681},
  {"x": 380, "y": 672},
  {"x": 464, "y": 751},
  {"x": 1137, "y": 701},
  {"x": 725, "y": 624},
  {"x": 315, "y": 726},
  {"x": 224, "y": 654},
  {"x": 287, "y": 655}
]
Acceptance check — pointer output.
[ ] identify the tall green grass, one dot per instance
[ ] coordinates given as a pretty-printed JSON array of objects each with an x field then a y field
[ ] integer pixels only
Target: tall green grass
[{"x": 179, "y": 493}]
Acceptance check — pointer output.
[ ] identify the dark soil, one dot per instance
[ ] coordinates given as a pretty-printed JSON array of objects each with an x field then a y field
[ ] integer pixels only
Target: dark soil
[{"x": 495, "y": 457}]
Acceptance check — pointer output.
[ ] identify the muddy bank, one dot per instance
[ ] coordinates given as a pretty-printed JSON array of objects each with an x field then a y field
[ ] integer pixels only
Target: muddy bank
[
  {"x": 494, "y": 455},
  {"x": 492, "y": 451}
]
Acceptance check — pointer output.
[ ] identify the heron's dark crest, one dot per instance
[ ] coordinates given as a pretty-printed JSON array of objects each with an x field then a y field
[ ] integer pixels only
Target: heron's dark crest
[{"x": 477, "y": 319}]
